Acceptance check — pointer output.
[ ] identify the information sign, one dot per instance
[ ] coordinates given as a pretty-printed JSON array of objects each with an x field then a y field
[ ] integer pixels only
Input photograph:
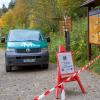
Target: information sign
[{"x": 66, "y": 63}]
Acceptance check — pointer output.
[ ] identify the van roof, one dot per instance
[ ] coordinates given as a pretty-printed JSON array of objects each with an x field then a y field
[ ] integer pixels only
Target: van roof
[{"x": 26, "y": 30}]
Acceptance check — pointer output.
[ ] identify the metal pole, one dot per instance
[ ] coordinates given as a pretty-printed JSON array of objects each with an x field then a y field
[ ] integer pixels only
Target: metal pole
[{"x": 67, "y": 36}]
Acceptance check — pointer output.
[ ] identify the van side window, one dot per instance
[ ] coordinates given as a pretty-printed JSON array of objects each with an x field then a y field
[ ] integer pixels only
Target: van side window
[{"x": 41, "y": 37}]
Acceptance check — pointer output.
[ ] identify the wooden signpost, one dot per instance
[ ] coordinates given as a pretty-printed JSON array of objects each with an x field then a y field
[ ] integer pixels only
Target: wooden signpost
[{"x": 65, "y": 25}]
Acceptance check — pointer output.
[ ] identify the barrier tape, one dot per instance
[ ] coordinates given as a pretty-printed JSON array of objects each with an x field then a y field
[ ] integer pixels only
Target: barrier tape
[
  {"x": 68, "y": 79},
  {"x": 63, "y": 97}
]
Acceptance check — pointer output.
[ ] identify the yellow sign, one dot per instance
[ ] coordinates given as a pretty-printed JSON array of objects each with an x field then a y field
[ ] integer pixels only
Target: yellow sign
[
  {"x": 94, "y": 27},
  {"x": 1, "y": 23}
]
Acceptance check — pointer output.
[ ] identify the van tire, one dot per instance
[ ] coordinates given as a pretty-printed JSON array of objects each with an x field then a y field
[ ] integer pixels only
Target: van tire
[
  {"x": 45, "y": 66},
  {"x": 8, "y": 68}
]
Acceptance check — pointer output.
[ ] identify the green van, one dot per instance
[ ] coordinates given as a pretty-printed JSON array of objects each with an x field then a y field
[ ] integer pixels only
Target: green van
[{"x": 26, "y": 47}]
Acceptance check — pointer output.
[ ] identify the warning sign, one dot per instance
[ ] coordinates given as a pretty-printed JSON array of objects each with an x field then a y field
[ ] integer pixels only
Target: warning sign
[{"x": 66, "y": 63}]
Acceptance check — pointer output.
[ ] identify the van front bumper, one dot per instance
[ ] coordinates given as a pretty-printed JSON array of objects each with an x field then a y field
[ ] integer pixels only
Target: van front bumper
[{"x": 25, "y": 59}]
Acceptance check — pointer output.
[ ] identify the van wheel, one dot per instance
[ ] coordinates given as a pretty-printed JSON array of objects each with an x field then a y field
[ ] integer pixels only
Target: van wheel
[
  {"x": 8, "y": 68},
  {"x": 45, "y": 66}
]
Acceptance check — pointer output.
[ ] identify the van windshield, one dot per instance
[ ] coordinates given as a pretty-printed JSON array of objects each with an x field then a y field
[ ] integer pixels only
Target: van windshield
[{"x": 24, "y": 36}]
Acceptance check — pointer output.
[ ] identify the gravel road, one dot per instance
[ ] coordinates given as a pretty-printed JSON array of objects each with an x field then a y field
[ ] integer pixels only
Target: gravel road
[{"x": 25, "y": 83}]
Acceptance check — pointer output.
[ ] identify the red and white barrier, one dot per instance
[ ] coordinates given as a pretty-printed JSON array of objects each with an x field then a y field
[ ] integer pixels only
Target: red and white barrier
[
  {"x": 68, "y": 79},
  {"x": 63, "y": 97},
  {"x": 47, "y": 92}
]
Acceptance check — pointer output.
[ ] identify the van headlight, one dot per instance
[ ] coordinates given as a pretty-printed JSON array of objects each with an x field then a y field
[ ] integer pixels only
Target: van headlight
[
  {"x": 44, "y": 49},
  {"x": 10, "y": 50}
]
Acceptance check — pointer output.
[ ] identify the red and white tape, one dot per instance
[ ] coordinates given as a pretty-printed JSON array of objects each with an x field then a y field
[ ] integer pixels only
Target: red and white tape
[
  {"x": 63, "y": 97},
  {"x": 47, "y": 92},
  {"x": 68, "y": 79}
]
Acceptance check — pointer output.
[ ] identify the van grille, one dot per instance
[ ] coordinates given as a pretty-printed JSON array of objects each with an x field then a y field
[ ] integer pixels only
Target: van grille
[{"x": 34, "y": 50}]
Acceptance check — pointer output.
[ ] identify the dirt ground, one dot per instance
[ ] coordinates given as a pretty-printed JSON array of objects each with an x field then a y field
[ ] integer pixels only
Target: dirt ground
[{"x": 25, "y": 83}]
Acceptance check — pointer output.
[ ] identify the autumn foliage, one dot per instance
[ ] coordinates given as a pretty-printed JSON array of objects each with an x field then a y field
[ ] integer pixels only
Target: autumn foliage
[{"x": 43, "y": 14}]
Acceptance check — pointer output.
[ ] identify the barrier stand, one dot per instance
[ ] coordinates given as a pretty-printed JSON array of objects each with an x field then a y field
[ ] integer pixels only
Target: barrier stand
[
  {"x": 65, "y": 69},
  {"x": 63, "y": 97},
  {"x": 46, "y": 93}
]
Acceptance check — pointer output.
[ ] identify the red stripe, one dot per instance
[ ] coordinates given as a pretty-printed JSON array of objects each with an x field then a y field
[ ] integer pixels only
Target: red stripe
[
  {"x": 36, "y": 98},
  {"x": 80, "y": 70},
  {"x": 47, "y": 92},
  {"x": 86, "y": 67},
  {"x": 56, "y": 85},
  {"x": 62, "y": 87}
]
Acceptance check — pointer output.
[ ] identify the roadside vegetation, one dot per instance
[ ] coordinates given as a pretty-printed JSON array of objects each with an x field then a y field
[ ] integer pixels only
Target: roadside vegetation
[
  {"x": 96, "y": 67},
  {"x": 2, "y": 45},
  {"x": 45, "y": 15}
]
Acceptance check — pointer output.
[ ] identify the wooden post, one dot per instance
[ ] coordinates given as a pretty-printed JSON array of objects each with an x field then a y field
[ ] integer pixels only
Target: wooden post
[{"x": 89, "y": 45}]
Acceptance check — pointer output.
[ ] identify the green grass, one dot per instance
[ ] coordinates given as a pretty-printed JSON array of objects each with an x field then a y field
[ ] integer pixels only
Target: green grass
[
  {"x": 2, "y": 45},
  {"x": 78, "y": 45},
  {"x": 96, "y": 67},
  {"x": 56, "y": 40}
]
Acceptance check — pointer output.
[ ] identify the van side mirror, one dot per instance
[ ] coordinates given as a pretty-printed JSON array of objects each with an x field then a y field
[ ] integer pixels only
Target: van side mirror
[
  {"x": 48, "y": 39},
  {"x": 3, "y": 39}
]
